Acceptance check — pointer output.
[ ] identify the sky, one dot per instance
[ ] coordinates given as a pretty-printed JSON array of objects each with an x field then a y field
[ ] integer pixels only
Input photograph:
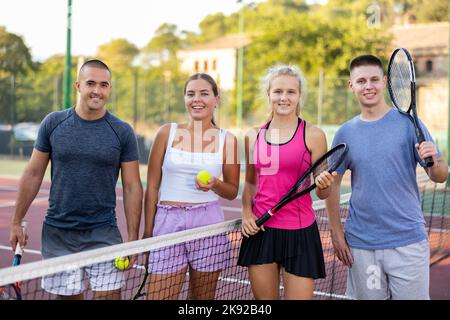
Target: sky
[{"x": 42, "y": 23}]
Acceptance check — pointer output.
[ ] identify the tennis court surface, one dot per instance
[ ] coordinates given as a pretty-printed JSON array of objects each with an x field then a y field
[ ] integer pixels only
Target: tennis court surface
[{"x": 218, "y": 248}]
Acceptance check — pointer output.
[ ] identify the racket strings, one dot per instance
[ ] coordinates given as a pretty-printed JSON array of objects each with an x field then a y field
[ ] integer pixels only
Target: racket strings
[
  {"x": 329, "y": 163},
  {"x": 400, "y": 81},
  {"x": 306, "y": 183},
  {"x": 309, "y": 180},
  {"x": 336, "y": 158},
  {"x": 306, "y": 159}
]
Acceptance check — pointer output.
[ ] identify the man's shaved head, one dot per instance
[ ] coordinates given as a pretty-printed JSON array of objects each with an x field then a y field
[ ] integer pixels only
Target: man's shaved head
[{"x": 94, "y": 64}]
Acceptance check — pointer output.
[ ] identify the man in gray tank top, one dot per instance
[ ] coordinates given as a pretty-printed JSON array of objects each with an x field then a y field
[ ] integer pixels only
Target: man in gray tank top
[{"x": 88, "y": 147}]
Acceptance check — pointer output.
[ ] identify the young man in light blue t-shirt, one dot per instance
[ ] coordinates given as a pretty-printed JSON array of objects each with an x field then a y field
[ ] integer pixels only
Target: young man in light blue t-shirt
[{"x": 385, "y": 244}]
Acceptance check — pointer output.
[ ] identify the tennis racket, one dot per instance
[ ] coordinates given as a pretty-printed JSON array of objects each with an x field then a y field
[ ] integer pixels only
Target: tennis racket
[
  {"x": 305, "y": 184},
  {"x": 16, "y": 287},
  {"x": 402, "y": 89},
  {"x": 139, "y": 294}
]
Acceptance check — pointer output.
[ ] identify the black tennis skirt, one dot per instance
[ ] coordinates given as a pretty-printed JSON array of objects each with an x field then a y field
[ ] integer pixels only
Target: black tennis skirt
[{"x": 299, "y": 251}]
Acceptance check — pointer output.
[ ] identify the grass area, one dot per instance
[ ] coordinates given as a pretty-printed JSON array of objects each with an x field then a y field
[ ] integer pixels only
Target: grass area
[{"x": 15, "y": 167}]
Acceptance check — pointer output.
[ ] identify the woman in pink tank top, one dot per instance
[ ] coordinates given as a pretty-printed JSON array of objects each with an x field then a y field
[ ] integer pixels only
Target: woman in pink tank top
[{"x": 277, "y": 155}]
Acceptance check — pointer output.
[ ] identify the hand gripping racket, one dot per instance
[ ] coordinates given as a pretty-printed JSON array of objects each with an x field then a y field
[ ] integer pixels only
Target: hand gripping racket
[
  {"x": 16, "y": 261},
  {"x": 328, "y": 162},
  {"x": 402, "y": 89}
]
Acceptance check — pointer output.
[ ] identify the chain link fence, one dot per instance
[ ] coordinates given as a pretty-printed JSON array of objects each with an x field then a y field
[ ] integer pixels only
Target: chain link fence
[{"x": 146, "y": 101}]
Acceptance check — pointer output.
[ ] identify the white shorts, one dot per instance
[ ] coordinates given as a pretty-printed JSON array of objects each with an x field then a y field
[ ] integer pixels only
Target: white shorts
[
  {"x": 102, "y": 277},
  {"x": 399, "y": 273}
]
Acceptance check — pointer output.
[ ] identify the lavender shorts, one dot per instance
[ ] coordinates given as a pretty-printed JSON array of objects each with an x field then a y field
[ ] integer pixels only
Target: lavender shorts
[{"x": 205, "y": 255}]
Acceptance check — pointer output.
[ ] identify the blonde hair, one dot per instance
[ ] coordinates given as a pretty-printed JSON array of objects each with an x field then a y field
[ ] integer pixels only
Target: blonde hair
[{"x": 285, "y": 70}]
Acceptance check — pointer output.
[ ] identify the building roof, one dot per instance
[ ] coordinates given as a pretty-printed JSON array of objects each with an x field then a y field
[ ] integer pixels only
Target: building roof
[
  {"x": 421, "y": 36},
  {"x": 233, "y": 41}
]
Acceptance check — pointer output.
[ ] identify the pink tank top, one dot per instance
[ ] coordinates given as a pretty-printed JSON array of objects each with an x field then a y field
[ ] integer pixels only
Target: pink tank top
[{"x": 278, "y": 168}]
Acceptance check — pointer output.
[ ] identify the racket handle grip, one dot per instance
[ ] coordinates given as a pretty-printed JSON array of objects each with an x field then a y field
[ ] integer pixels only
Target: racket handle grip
[
  {"x": 19, "y": 249},
  {"x": 17, "y": 259},
  {"x": 263, "y": 218},
  {"x": 429, "y": 162},
  {"x": 420, "y": 137}
]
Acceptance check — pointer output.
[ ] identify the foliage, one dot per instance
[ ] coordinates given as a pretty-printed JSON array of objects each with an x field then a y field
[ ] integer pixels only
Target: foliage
[
  {"x": 118, "y": 54},
  {"x": 317, "y": 38},
  {"x": 15, "y": 60},
  {"x": 15, "y": 57}
]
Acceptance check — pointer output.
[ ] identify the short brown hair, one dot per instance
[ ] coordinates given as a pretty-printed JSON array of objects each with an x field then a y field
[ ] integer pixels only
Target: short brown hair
[{"x": 366, "y": 60}]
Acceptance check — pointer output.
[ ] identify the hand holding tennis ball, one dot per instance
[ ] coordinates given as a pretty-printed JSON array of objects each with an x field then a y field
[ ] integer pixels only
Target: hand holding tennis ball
[
  {"x": 122, "y": 263},
  {"x": 204, "y": 176}
]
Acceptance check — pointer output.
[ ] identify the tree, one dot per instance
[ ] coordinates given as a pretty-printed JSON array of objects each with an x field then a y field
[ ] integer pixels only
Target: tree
[
  {"x": 39, "y": 92},
  {"x": 166, "y": 42},
  {"x": 118, "y": 54},
  {"x": 15, "y": 59},
  {"x": 315, "y": 43},
  {"x": 394, "y": 11},
  {"x": 298, "y": 5},
  {"x": 430, "y": 10},
  {"x": 213, "y": 26}
]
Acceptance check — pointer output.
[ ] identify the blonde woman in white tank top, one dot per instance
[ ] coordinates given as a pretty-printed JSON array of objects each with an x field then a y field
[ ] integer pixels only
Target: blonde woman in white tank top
[{"x": 176, "y": 200}]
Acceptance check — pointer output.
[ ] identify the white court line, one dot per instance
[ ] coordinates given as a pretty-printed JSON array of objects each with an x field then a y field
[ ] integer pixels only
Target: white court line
[
  {"x": 6, "y": 188},
  {"x": 25, "y": 250},
  {"x": 46, "y": 191},
  {"x": 13, "y": 203},
  {"x": 233, "y": 209},
  {"x": 317, "y": 293},
  {"x": 247, "y": 282}
]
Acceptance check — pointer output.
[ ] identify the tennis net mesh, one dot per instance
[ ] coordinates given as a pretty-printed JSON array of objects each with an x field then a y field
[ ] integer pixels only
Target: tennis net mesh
[{"x": 214, "y": 250}]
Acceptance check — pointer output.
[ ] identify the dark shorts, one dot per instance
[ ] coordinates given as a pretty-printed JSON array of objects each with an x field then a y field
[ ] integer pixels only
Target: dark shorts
[
  {"x": 58, "y": 242},
  {"x": 299, "y": 252},
  {"x": 102, "y": 276}
]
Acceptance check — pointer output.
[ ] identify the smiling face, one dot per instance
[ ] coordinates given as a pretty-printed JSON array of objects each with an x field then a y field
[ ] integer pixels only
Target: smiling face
[
  {"x": 284, "y": 95},
  {"x": 368, "y": 83},
  {"x": 200, "y": 100},
  {"x": 94, "y": 86}
]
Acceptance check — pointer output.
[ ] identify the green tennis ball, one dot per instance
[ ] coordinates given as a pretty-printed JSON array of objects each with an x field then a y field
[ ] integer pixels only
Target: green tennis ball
[
  {"x": 122, "y": 264},
  {"x": 204, "y": 176}
]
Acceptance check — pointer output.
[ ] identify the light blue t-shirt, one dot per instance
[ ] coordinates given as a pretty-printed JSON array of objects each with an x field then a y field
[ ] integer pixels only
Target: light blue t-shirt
[
  {"x": 86, "y": 157},
  {"x": 385, "y": 207}
]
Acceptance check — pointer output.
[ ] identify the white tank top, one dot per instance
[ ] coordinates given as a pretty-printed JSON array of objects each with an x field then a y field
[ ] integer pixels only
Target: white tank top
[{"x": 180, "y": 169}]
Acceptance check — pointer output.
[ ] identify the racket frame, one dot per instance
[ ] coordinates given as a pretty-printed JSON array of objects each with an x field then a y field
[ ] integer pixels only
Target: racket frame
[
  {"x": 16, "y": 261},
  {"x": 411, "y": 113},
  {"x": 292, "y": 194},
  {"x": 139, "y": 292}
]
